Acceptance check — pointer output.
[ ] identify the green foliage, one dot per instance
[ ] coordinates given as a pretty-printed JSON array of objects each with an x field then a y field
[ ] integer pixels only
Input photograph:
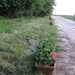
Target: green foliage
[
  {"x": 18, "y": 46},
  {"x": 1, "y": 73},
  {"x": 43, "y": 58},
  {"x": 14, "y": 8},
  {"x": 9, "y": 7},
  {"x": 38, "y": 73},
  {"x": 7, "y": 25},
  {"x": 48, "y": 44},
  {"x": 44, "y": 48}
]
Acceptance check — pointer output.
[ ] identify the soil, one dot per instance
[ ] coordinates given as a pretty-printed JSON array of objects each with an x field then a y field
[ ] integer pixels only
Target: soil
[{"x": 65, "y": 60}]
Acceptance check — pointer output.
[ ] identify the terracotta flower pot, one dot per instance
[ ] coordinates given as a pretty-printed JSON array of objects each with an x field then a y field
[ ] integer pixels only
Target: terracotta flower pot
[{"x": 45, "y": 69}]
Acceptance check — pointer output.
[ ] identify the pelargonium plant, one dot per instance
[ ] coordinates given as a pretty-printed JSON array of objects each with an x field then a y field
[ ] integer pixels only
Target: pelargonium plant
[{"x": 46, "y": 55}]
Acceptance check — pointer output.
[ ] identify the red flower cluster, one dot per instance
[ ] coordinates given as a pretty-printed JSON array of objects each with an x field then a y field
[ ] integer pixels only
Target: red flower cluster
[{"x": 53, "y": 54}]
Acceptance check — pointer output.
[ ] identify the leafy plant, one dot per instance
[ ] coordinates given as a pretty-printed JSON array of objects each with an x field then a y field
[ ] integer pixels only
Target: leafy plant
[
  {"x": 48, "y": 44},
  {"x": 45, "y": 54},
  {"x": 43, "y": 58}
]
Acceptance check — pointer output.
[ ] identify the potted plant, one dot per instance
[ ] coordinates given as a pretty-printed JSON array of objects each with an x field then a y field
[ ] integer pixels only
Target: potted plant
[{"x": 45, "y": 57}]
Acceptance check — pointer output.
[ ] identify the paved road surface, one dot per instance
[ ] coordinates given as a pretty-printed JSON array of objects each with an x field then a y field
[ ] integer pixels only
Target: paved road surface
[
  {"x": 68, "y": 26},
  {"x": 65, "y": 59}
]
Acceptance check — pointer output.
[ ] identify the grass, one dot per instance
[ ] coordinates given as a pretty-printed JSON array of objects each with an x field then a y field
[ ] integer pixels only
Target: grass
[
  {"x": 18, "y": 37},
  {"x": 69, "y": 16}
]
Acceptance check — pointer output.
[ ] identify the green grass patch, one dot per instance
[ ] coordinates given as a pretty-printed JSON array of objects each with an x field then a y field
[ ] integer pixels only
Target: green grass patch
[{"x": 18, "y": 39}]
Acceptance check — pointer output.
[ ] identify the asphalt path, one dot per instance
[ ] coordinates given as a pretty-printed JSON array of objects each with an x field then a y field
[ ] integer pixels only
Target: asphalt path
[
  {"x": 66, "y": 25},
  {"x": 65, "y": 60}
]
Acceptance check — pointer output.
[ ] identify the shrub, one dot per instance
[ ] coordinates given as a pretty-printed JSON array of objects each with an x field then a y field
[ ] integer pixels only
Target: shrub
[{"x": 9, "y": 8}]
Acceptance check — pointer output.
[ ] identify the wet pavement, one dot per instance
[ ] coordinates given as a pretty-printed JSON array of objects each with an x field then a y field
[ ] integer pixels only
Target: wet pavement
[{"x": 65, "y": 59}]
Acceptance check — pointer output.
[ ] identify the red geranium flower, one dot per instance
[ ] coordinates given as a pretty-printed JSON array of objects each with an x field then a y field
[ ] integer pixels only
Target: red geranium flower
[{"x": 53, "y": 54}]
